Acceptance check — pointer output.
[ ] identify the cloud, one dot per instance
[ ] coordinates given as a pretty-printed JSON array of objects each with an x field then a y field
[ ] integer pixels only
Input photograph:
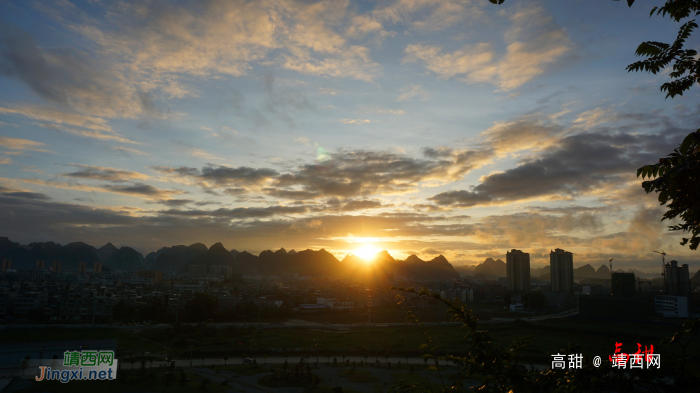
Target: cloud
[
  {"x": 26, "y": 195},
  {"x": 89, "y": 126},
  {"x": 534, "y": 42},
  {"x": 240, "y": 212},
  {"x": 575, "y": 165},
  {"x": 594, "y": 117},
  {"x": 139, "y": 189},
  {"x": 126, "y": 150},
  {"x": 175, "y": 202},
  {"x": 20, "y": 145},
  {"x": 134, "y": 189},
  {"x": 69, "y": 77},
  {"x": 413, "y": 91},
  {"x": 303, "y": 140},
  {"x": 327, "y": 90},
  {"x": 5, "y": 160},
  {"x": 358, "y": 173},
  {"x": 390, "y": 111},
  {"x": 361, "y": 205},
  {"x": 423, "y": 14},
  {"x": 104, "y": 173},
  {"x": 221, "y": 176},
  {"x": 226, "y": 37},
  {"x": 355, "y": 121}
]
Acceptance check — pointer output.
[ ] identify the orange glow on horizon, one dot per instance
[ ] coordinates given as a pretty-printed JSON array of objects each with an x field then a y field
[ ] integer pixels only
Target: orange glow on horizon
[{"x": 366, "y": 252}]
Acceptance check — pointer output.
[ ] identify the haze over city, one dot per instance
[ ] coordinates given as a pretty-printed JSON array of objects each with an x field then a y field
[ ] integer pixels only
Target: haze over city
[{"x": 431, "y": 128}]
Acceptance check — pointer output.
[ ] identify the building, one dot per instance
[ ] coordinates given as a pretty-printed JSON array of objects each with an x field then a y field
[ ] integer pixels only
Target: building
[
  {"x": 198, "y": 270},
  {"x": 517, "y": 307},
  {"x": 27, "y": 304},
  {"x": 154, "y": 277},
  {"x": 225, "y": 270},
  {"x": 677, "y": 279},
  {"x": 623, "y": 285},
  {"x": 214, "y": 270},
  {"x": 86, "y": 307},
  {"x": 97, "y": 267},
  {"x": 40, "y": 264},
  {"x": 518, "y": 271},
  {"x": 202, "y": 286},
  {"x": 56, "y": 268},
  {"x": 671, "y": 306},
  {"x": 5, "y": 265},
  {"x": 561, "y": 264},
  {"x": 82, "y": 267}
]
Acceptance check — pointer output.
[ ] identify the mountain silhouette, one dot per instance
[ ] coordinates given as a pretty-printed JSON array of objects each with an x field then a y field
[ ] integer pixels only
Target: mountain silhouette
[
  {"x": 585, "y": 271},
  {"x": 106, "y": 251},
  {"x": 173, "y": 257},
  {"x": 491, "y": 267},
  {"x": 69, "y": 255},
  {"x": 602, "y": 272},
  {"x": 216, "y": 255},
  {"x": 696, "y": 278},
  {"x": 317, "y": 263},
  {"x": 126, "y": 258}
]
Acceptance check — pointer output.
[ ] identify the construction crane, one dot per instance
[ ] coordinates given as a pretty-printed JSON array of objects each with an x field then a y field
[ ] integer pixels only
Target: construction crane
[
  {"x": 663, "y": 267},
  {"x": 611, "y": 275}
]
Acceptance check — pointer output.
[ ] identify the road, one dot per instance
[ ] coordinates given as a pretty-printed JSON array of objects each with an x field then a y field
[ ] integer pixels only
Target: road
[{"x": 299, "y": 324}]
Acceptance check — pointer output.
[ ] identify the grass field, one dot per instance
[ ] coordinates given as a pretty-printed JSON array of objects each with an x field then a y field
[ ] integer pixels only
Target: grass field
[
  {"x": 358, "y": 375},
  {"x": 596, "y": 338}
]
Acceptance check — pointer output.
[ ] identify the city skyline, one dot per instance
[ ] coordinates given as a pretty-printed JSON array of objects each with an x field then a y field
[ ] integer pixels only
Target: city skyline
[{"x": 457, "y": 128}]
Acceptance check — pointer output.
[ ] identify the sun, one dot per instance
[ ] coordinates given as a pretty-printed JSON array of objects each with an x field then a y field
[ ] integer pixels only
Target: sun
[{"x": 366, "y": 252}]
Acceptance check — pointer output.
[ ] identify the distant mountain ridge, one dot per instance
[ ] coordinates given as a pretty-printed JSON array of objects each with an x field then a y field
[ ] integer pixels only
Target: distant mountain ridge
[
  {"x": 69, "y": 255},
  {"x": 490, "y": 268},
  {"x": 173, "y": 258}
]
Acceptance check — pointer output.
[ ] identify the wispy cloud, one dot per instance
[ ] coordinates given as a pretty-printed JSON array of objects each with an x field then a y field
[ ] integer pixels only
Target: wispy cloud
[
  {"x": 354, "y": 121},
  {"x": 409, "y": 92}
]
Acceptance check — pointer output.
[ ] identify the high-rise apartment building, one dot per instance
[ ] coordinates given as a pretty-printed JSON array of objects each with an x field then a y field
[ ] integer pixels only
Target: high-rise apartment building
[
  {"x": 82, "y": 267},
  {"x": 677, "y": 279},
  {"x": 155, "y": 277},
  {"x": 198, "y": 270},
  {"x": 561, "y": 264},
  {"x": 56, "y": 268},
  {"x": 97, "y": 267},
  {"x": 518, "y": 271},
  {"x": 41, "y": 265},
  {"x": 623, "y": 285},
  {"x": 5, "y": 265}
]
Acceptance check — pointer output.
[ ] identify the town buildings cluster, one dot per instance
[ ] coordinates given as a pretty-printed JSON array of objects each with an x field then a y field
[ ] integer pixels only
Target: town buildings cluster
[
  {"x": 49, "y": 295},
  {"x": 623, "y": 299}
]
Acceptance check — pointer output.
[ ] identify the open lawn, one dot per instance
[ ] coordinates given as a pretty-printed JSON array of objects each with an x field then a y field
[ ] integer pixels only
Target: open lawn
[
  {"x": 358, "y": 375},
  {"x": 596, "y": 338}
]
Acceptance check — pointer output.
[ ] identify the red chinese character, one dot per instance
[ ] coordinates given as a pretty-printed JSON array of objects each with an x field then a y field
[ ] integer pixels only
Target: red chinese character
[
  {"x": 618, "y": 350},
  {"x": 647, "y": 351}
]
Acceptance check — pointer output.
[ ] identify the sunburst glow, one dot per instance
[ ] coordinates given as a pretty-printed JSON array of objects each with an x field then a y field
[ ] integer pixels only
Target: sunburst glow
[{"x": 366, "y": 252}]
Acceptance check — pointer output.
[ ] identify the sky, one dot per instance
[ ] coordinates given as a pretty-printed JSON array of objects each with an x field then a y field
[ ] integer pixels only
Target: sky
[{"x": 458, "y": 128}]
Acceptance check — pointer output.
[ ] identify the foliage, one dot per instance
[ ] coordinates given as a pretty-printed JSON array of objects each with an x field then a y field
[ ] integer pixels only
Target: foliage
[
  {"x": 686, "y": 66},
  {"x": 497, "y": 369},
  {"x": 677, "y": 180}
]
